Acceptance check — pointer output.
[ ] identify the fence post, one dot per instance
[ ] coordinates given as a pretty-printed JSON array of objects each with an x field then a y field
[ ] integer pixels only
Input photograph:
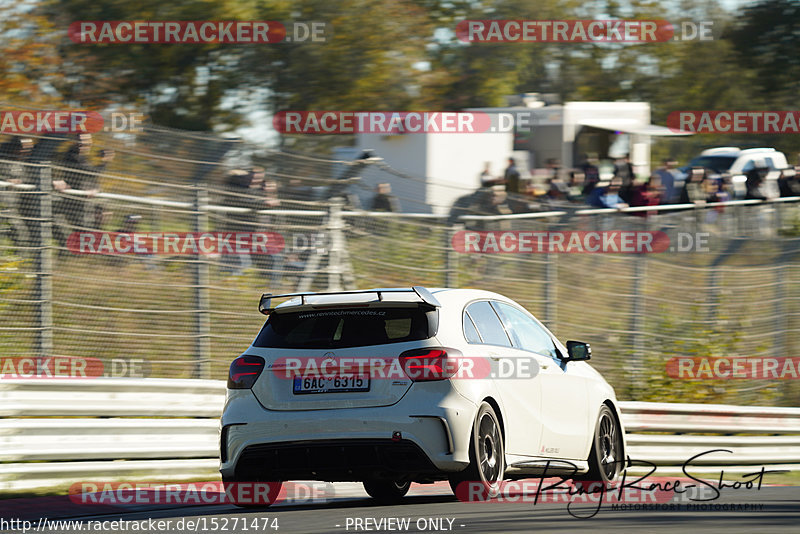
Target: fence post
[
  {"x": 637, "y": 324},
  {"x": 781, "y": 319},
  {"x": 202, "y": 324},
  {"x": 550, "y": 290},
  {"x": 41, "y": 237},
  {"x": 451, "y": 257},
  {"x": 335, "y": 229}
]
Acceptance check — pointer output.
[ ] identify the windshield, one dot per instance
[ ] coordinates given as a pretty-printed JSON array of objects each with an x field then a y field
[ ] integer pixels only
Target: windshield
[
  {"x": 715, "y": 163},
  {"x": 321, "y": 329}
]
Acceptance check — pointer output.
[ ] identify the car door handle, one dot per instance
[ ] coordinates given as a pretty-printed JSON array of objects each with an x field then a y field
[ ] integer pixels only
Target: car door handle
[{"x": 495, "y": 357}]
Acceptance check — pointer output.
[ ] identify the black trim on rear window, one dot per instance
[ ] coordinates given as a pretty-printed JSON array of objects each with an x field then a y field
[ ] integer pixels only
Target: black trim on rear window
[{"x": 339, "y": 328}]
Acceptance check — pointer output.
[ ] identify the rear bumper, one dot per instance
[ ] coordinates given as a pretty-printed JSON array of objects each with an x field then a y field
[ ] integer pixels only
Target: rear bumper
[
  {"x": 335, "y": 460},
  {"x": 348, "y": 443}
]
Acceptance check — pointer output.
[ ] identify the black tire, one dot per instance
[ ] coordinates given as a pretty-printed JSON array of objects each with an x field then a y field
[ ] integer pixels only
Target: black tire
[
  {"x": 606, "y": 455},
  {"x": 486, "y": 457},
  {"x": 387, "y": 491},
  {"x": 272, "y": 494}
]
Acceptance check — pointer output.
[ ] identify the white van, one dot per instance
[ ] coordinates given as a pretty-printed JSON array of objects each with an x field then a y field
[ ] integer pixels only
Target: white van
[{"x": 737, "y": 161}]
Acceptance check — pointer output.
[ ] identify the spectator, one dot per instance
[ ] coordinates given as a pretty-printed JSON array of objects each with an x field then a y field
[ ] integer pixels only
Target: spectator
[
  {"x": 647, "y": 194},
  {"x": 624, "y": 171},
  {"x": 384, "y": 200},
  {"x": 591, "y": 173},
  {"x": 693, "y": 191},
  {"x": 754, "y": 183},
  {"x": 512, "y": 177},
  {"x": 76, "y": 212},
  {"x": 576, "y": 186},
  {"x": 275, "y": 263},
  {"x": 16, "y": 152},
  {"x": 243, "y": 189},
  {"x": 486, "y": 178},
  {"x": 296, "y": 190},
  {"x": 270, "y": 189},
  {"x": 553, "y": 168},
  {"x": 340, "y": 188},
  {"x": 606, "y": 195},
  {"x": 466, "y": 205},
  {"x": 726, "y": 189},
  {"x": 23, "y": 205},
  {"x": 714, "y": 188},
  {"x": 257, "y": 177},
  {"x": 671, "y": 179},
  {"x": 787, "y": 183},
  {"x": 493, "y": 201},
  {"x": 557, "y": 190}
]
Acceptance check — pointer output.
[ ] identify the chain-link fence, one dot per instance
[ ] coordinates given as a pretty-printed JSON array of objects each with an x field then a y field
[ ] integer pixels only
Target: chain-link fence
[{"x": 187, "y": 311}]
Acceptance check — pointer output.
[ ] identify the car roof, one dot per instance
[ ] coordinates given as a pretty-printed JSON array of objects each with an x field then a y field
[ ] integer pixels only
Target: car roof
[
  {"x": 732, "y": 151},
  {"x": 721, "y": 151}
]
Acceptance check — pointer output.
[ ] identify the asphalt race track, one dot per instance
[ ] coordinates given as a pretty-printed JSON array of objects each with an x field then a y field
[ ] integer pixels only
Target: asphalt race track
[{"x": 434, "y": 509}]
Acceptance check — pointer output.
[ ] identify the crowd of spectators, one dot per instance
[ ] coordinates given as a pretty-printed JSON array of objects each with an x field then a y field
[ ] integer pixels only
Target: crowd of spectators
[
  {"x": 76, "y": 171},
  {"x": 75, "y": 181},
  {"x": 619, "y": 188}
]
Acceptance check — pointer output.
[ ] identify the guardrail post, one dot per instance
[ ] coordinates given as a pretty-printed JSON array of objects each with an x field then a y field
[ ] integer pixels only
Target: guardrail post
[
  {"x": 41, "y": 237},
  {"x": 451, "y": 257},
  {"x": 202, "y": 322}
]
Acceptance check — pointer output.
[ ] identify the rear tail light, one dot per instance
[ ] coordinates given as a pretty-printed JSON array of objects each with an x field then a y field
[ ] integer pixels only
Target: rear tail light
[
  {"x": 245, "y": 371},
  {"x": 429, "y": 364}
]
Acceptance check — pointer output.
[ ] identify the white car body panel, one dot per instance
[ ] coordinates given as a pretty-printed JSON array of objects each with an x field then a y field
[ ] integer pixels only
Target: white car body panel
[{"x": 549, "y": 416}]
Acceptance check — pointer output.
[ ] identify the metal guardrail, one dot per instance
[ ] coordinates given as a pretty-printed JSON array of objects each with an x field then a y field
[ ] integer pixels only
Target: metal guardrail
[
  {"x": 669, "y": 434},
  {"x": 56, "y": 432}
]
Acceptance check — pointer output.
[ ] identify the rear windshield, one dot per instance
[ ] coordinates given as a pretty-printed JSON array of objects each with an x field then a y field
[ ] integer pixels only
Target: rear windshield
[
  {"x": 716, "y": 163},
  {"x": 320, "y": 329}
]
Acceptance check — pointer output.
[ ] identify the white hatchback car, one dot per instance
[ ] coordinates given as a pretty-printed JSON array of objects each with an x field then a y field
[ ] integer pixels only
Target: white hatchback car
[{"x": 393, "y": 386}]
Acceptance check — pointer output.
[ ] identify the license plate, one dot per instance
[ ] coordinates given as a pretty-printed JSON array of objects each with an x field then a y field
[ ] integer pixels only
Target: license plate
[{"x": 337, "y": 384}]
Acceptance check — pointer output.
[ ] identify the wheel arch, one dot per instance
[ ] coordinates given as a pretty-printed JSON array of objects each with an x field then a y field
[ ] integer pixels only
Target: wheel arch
[
  {"x": 499, "y": 413},
  {"x": 615, "y": 411}
]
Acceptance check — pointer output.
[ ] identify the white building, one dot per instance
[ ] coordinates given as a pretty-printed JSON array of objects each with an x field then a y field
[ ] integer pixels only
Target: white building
[{"x": 441, "y": 167}]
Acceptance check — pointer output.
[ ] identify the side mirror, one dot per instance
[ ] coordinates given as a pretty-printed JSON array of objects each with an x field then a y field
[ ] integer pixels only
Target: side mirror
[{"x": 578, "y": 351}]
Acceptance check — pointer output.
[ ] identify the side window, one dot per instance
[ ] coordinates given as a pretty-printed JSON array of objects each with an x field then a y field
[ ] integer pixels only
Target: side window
[
  {"x": 488, "y": 324},
  {"x": 526, "y": 334},
  {"x": 470, "y": 332}
]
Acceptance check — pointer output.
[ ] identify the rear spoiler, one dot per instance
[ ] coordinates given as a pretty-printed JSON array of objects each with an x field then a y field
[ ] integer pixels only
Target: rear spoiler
[{"x": 265, "y": 304}]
